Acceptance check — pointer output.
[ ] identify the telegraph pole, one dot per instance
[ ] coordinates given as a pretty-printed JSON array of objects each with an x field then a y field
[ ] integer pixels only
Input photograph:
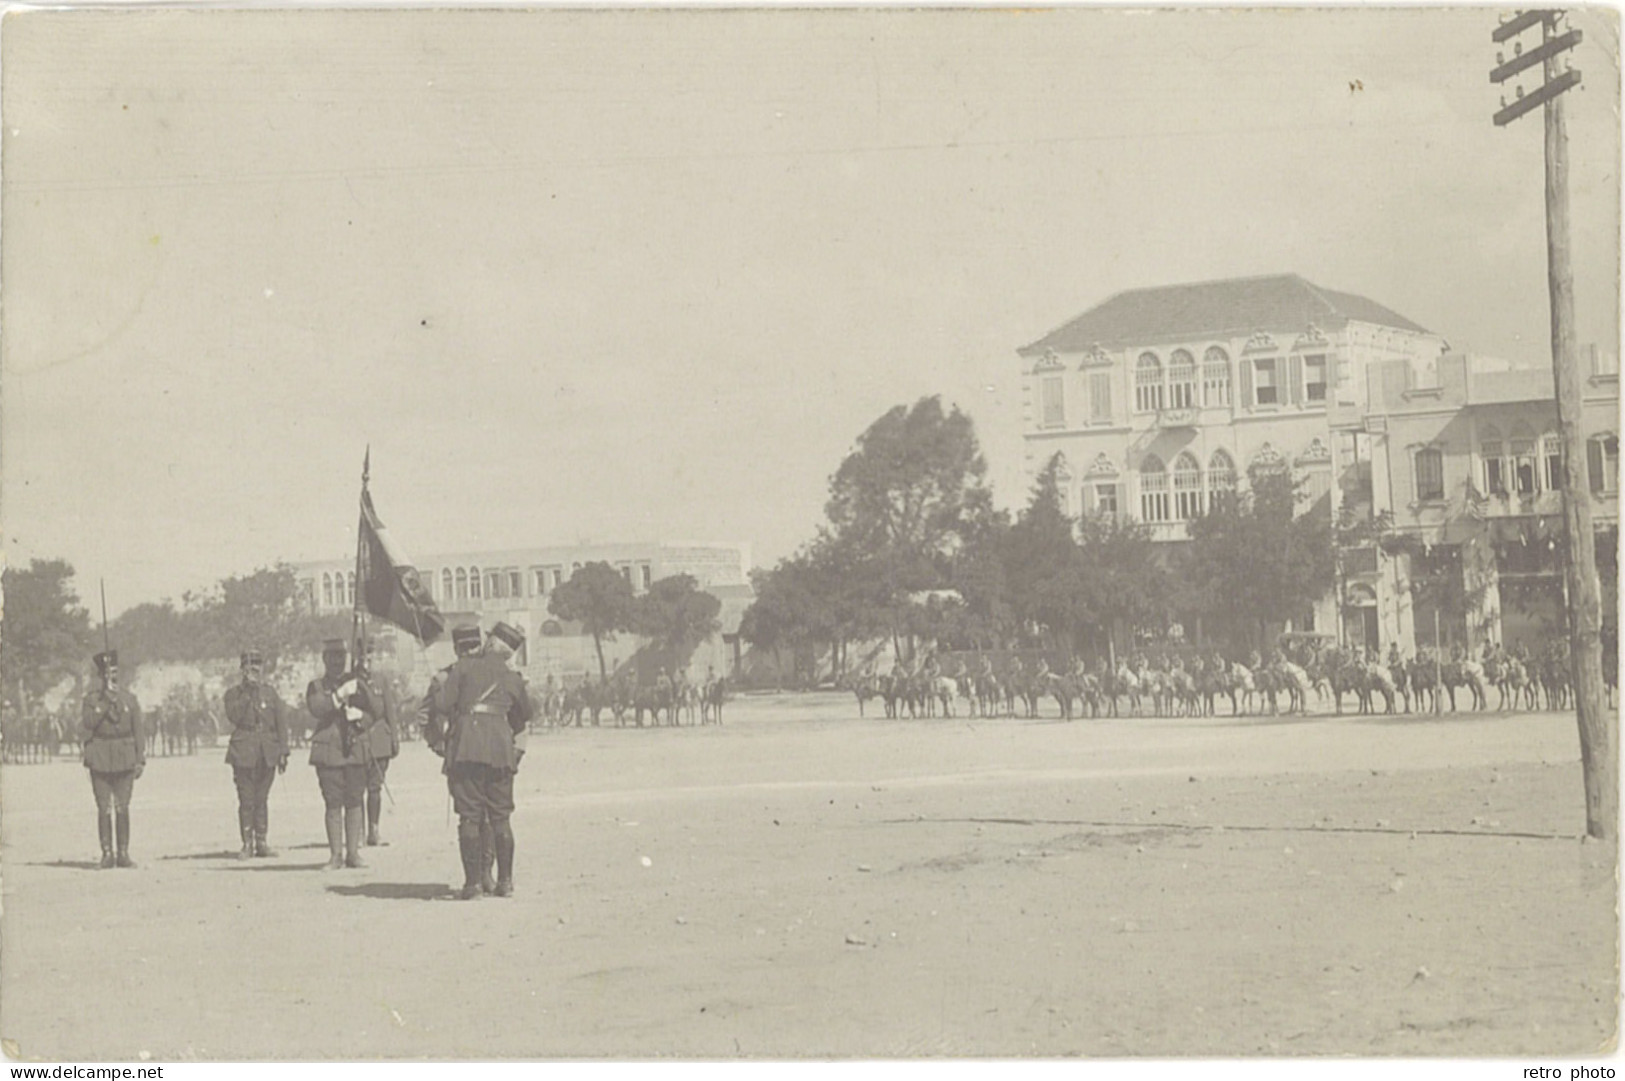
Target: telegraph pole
[{"x": 1598, "y": 738}]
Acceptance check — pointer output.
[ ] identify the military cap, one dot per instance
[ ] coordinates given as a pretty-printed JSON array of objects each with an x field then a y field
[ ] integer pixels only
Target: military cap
[
  {"x": 334, "y": 645},
  {"x": 510, "y": 636},
  {"x": 465, "y": 637},
  {"x": 252, "y": 656},
  {"x": 106, "y": 659}
]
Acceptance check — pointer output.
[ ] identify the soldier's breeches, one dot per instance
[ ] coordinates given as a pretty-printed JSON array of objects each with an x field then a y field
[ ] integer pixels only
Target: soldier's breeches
[
  {"x": 479, "y": 790},
  {"x": 342, "y": 786},
  {"x": 253, "y": 795},
  {"x": 112, "y": 789}
]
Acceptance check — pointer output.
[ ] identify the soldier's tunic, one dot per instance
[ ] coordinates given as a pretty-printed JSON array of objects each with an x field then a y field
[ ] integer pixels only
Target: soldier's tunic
[
  {"x": 383, "y": 744},
  {"x": 258, "y": 745},
  {"x": 340, "y": 758},
  {"x": 114, "y": 745},
  {"x": 488, "y": 707}
]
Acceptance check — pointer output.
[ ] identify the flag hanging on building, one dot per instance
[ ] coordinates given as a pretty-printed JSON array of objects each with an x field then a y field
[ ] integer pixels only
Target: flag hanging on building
[{"x": 387, "y": 585}]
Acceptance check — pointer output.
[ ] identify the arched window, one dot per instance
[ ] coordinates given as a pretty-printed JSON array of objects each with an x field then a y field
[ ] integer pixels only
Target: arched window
[
  {"x": 1148, "y": 384},
  {"x": 473, "y": 583},
  {"x": 1221, "y": 476},
  {"x": 1215, "y": 377},
  {"x": 462, "y": 584},
  {"x": 1521, "y": 451},
  {"x": 1491, "y": 450},
  {"x": 446, "y": 593},
  {"x": 1181, "y": 380},
  {"x": 327, "y": 590},
  {"x": 349, "y": 591},
  {"x": 1153, "y": 490},
  {"x": 1187, "y": 488}
]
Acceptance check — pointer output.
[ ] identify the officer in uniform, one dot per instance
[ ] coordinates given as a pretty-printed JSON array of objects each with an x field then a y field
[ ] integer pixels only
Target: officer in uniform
[
  {"x": 115, "y": 753},
  {"x": 347, "y": 708},
  {"x": 439, "y": 733},
  {"x": 257, "y": 751},
  {"x": 488, "y": 707}
]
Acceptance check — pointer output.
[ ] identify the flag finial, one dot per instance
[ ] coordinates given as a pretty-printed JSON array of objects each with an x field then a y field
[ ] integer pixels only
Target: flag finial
[{"x": 366, "y": 465}]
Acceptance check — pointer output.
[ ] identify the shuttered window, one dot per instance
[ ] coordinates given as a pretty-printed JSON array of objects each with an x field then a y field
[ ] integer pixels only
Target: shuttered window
[
  {"x": 1053, "y": 404},
  {"x": 1429, "y": 474},
  {"x": 1100, "y": 397}
]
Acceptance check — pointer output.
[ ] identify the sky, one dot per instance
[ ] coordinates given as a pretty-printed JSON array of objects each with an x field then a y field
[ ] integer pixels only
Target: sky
[{"x": 584, "y": 277}]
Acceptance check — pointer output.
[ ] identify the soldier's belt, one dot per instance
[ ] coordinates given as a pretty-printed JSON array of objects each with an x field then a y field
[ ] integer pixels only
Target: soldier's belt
[{"x": 491, "y": 710}]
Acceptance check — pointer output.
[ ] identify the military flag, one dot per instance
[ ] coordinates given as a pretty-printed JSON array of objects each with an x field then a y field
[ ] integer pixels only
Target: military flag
[{"x": 387, "y": 585}]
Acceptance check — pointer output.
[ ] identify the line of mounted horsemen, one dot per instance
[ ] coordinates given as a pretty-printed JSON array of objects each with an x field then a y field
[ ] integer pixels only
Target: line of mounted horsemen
[
  {"x": 1173, "y": 682},
  {"x": 189, "y": 719}
]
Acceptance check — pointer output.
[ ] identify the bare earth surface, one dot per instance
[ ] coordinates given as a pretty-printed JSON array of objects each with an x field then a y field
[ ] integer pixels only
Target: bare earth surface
[{"x": 800, "y": 882}]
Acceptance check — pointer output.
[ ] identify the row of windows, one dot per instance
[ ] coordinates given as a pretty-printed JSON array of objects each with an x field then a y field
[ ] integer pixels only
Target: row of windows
[
  {"x": 338, "y": 589},
  {"x": 472, "y": 584},
  {"x": 1179, "y": 494},
  {"x": 1522, "y": 466},
  {"x": 1265, "y": 381}
]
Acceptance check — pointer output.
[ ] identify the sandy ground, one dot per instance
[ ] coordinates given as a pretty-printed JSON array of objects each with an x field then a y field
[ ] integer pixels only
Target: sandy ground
[{"x": 800, "y": 882}]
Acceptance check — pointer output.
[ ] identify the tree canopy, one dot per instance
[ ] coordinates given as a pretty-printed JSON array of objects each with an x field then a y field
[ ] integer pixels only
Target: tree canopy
[
  {"x": 601, "y": 600},
  {"x": 46, "y": 636}
]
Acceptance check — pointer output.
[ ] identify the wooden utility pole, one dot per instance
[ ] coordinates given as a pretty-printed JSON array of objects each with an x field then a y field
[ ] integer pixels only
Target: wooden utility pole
[{"x": 1598, "y": 737}]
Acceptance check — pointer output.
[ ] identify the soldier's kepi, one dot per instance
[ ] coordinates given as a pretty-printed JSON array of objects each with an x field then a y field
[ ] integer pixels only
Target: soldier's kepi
[
  {"x": 115, "y": 754},
  {"x": 488, "y": 707}
]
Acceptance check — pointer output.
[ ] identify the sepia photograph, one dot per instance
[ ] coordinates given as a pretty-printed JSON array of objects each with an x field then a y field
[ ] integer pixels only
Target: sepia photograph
[{"x": 774, "y": 534}]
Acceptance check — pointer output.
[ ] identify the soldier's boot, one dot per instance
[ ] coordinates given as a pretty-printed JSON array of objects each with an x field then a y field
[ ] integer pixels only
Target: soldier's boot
[
  {"x": 504, "y": 845},
  {"x": 247, "y": 851},
  {"x": 488, "y": 857},
  {"x": 375, "y": 806},
  {"x": 262, "y": 847},
  {"x": 335, "y": 839},
  {"x": 472, "y": 849},
  {"x": 104, "y": 831},
  {"x": 353, "y": 825},
  {"x": 124, "y": 859}
]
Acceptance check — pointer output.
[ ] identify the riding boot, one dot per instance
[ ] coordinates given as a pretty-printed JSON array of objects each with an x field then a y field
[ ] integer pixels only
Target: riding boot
[
  {"x": 262, "y": 847},
  {"x": 375, "y": 807},
  {"x": 504, "y": 854},
  {"x": 247, "y": 851},
  {"x": 124, "y": 859},
  {"x": 104, "y": 830},
  {"x": 335, "y": 839},
  {"x": 352, "y": 836},
  {"x": 262, "y": 828},
  {"x": 472, "y": 850},
  {"x": 488, "y": 855}
]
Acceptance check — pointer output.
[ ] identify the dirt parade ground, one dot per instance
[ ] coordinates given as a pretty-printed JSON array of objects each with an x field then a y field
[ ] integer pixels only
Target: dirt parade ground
[{"x": 802, "y": 882}]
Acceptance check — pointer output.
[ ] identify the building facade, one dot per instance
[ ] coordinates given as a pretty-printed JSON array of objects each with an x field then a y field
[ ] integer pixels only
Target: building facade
[
  {"x": 1465, "y": 470},
  {"x": 1157, "y": 399},
  {"x": 515, "y": 586}
]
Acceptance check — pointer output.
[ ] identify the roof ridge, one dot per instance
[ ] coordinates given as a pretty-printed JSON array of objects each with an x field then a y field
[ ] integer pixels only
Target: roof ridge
[{"x": 1320, "y": 294}]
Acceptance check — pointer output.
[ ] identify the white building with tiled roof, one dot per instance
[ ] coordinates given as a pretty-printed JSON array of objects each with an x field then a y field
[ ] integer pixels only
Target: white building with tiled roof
[{"x": 1157, "y": 398}]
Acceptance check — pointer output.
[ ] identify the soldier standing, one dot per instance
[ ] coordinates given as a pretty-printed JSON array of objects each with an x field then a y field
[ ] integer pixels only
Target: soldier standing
[
  {"x": 346, "y": 709},
  {"x": 488, "y": 707},
  {"x": 440, "y": 734},
  {"x": 383, "y": 743},
  {"x": 115, "y": 754},
  {"x": 256, "y": 752}
]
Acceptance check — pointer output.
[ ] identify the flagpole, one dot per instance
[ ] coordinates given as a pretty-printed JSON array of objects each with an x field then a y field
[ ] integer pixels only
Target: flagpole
[{"x": 358, "y": 621}]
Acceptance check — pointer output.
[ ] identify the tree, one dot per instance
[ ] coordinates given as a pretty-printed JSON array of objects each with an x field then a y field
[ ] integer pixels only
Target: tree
[
  {"x": 1040, "y": 555},
  {"x": 676, "y": 615},
  {"x": 1123, "y": 579},
  {"x": 46, "y": 636},
  {"x": 903, "y": 503},
  {"x": 1253, "y": 561},
  {"x": 600, "y": 599},
  {"x": 264, "y": 609}
]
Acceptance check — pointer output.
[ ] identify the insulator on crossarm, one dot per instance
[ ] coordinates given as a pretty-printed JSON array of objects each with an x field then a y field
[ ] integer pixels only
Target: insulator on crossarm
[
  {"x": 1520, "y": 93},
  {"x": 1517, "y": 48}
]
